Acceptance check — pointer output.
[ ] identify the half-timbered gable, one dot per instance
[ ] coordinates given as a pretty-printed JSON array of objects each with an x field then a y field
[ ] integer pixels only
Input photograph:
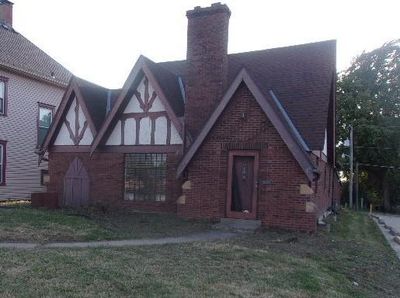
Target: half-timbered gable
[
  {"x": 144, "y": 121},
  {"x": 75, "y": 128}
]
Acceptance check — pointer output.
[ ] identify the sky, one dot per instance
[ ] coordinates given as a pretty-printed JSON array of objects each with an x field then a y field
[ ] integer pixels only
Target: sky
[{"x": 100, "y": 40}]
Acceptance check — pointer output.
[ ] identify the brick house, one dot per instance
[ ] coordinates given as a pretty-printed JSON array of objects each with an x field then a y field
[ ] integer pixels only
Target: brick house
[
  {"x": 248, "y": 135},
  {"x": 31, "y": 87}
]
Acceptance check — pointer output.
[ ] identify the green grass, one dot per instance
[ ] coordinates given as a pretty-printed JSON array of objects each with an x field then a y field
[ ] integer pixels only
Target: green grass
[
  {"x": 19, "y": 222},
  {"x": 269, "y": 264}
]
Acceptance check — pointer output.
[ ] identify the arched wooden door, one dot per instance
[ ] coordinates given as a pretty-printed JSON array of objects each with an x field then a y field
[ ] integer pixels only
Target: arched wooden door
[{"x": 76, "y": 185}]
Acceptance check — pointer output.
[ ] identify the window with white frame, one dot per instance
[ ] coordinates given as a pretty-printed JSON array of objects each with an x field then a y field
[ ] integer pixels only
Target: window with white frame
[
  {"x": 45, "y": 118},
  {"x": 3, "y": 97},
  {"x": 2, "y": 162}
]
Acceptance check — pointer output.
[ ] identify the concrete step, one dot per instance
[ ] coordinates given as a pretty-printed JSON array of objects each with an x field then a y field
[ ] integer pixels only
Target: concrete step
[{"x": 237, "y": 225}]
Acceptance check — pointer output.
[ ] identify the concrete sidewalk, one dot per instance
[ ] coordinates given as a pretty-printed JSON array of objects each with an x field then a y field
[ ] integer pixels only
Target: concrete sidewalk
[
  {"x": 390, "y": 227},
  {"x": 208, "y": 236}
]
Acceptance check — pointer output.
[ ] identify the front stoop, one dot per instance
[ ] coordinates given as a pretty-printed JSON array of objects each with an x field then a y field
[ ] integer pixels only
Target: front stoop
[{"x": 238, "y": 225}]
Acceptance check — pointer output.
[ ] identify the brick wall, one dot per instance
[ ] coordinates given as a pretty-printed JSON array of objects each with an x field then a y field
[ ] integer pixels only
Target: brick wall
[
  {"x": 207, "y": 62},
  {"x": 279, "y": 203},
  {"x": 327, "y": 188},
  {"x": 106, "y": 173}
]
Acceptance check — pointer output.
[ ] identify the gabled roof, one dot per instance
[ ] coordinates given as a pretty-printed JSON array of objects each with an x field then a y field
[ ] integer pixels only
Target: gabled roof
[
  {"x": 19, "y": 54},
  {"x": 96, "y": 98},
  {"x": 301, "y": 77},
  {"x": 270, "y": 105},
  {"x": 74, "y": 90},
  {"x": 165, "y": 89}
]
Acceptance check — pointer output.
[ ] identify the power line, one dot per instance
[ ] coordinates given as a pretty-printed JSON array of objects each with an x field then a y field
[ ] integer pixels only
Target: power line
[
  {"x": 374, "y": 147},
  {"x": 379, "y": 166}
]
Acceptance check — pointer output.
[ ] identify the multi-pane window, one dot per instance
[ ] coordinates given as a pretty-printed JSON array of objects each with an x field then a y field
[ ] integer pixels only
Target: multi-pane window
[
  {"x": 45, "y": 117},
  {"x": 2, "y": 162},
  {"x": 145, "y": 176},
  {"x": 3, "y": 94}
]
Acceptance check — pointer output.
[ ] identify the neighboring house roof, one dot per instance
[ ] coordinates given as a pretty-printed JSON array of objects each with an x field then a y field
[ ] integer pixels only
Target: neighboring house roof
[
  {"x": 272, "y": 109},
  {"x": 301, "y": 76},
  {"x": 19, "y": 54}
]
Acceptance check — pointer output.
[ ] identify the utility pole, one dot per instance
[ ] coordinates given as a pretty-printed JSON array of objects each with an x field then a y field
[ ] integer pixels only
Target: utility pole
[
  {"x": 358, "y": 205},
  {"x": 351, "y": 169}
]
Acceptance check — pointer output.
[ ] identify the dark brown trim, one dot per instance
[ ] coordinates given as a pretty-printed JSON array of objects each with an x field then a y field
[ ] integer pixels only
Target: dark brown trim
[
  {"x": 5, "y": 81},
  {"x": 229, "y": 212},
  {"x": 153, "y": 131},
  {"x": 69, "y": 148},
  {"x": 151, "y": 115},
  {"x": 118, "y": 149},
  {"x": 72, "y": 92},
  {"x": 62, "y": 109},
  {"x": 82, "y": 104},
  {"x": 141, "y": 149},
  {"x": 4, "y": 167},
  {"x": 42, "y": 174},
  {"x": 163, "y": 98},
  {"x": 122, "y": 131},
  {"x": 45, "y": 106},
  {"x": 268, "y": 105},
  {"x": 137, "y": 131},
  {"x": 117, "y": 106},
  {"x": 169, "y": 128},
  {"x": 139, "y": 68}
]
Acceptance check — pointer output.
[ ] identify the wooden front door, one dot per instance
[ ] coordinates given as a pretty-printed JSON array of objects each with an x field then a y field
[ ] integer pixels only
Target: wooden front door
[
  {"x": 242, "y": 184},
  {"x": 76, "y": 185}
]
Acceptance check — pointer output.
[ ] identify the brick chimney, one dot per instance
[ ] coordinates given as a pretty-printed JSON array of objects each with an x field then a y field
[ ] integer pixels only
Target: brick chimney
[
  {"x": 207, "y": 63},
  {"x": 6, "y": 12}
]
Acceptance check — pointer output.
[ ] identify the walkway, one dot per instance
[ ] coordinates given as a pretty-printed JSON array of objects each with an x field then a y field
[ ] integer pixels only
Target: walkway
[
  {"x": 208, "y": 236},
  {"x": 390, "y": 227}
]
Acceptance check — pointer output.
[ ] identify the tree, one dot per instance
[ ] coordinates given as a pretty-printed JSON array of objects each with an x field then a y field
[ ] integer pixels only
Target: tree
[{"x": 369, "y": 99}]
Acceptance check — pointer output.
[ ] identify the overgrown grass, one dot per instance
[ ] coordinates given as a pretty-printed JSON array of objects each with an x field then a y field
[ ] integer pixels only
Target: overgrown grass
[
  {"x": 353, "y": 260},
  {"x": 19, "y": 222}
]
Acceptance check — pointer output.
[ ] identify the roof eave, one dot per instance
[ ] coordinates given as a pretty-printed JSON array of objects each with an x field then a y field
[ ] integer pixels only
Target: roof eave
[{"x": 32, "y": 75}]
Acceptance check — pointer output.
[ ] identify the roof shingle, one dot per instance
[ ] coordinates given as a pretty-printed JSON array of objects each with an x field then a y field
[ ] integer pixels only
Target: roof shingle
[{"x": 18, "y": 53}]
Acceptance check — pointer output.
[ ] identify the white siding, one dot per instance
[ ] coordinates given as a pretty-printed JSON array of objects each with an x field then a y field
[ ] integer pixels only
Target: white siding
[
  {"x": 145, "y": 131},
  {"x": 19, "y": 129},
  {"x": 160, "y": 133},
  {"x": 130, "y": 132},
  {"x": 115, "y": 137}
]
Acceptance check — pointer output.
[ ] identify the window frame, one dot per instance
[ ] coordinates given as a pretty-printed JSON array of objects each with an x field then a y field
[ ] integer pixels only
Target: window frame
[
  {"x": 140, "y": 196},
  {"x": 5, "y": 99},
  {"x": 43, "y": 172},
  {"x": 44, "y": 106},
  {"x": 3, "y": 163}
]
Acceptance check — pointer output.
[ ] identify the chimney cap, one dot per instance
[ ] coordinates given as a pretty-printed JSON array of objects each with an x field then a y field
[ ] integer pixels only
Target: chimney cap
[
  {"x": 6, "y": 2},
  {"x": 214, "y": 8}
]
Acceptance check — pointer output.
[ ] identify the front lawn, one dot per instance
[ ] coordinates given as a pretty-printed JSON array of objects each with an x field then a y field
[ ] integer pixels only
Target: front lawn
[
  {"x": 353, "y": 260},
  {"x": 20, "y": 222}
]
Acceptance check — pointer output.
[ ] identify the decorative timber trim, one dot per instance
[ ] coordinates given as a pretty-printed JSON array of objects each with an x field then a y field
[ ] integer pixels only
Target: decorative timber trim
[
  {"x": 118, "y": 149},
  {"x": 139, "y": 71},
  {"x": 141, "y": 149},
  {"x": 72, "y": 92}
]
